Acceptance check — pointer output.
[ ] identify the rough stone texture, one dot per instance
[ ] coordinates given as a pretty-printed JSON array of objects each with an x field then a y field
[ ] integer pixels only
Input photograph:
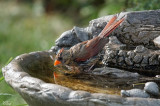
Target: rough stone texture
[
  {"x": 72, "y": 37},
  {"x": 140, "y": 49},
  {"x": 128, "y": 61},
  {"x": 130, "y": 46},
  {"x": 137, "y": 58},
  {"x": 153, "y": 60},
  {"x": 117, "y": 73},
  {"x": 152, "y": 88},
  {"x": 23, "y": 75},
  {"x": 131, "y": 54},
  {"x": 138, "y": 28},
  {"x": 134, "y": 93},
  {"x": 157, "y": 41}
]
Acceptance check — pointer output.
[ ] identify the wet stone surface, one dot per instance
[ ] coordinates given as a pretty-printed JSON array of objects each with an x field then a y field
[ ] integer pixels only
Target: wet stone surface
[
  {"x": 152, "y": 88},
  {"x": 134, "y": 93}
]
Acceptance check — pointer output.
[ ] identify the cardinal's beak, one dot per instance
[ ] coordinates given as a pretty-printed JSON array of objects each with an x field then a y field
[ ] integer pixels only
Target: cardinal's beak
[{"x": 57, "y": 62}]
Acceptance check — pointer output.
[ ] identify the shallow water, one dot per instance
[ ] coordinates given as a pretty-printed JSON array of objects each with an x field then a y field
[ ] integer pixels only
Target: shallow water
[
  {"x": 107, "y": 84},
  {"x": 86, "y": 82},
  {"x": 94, "y": 83}
]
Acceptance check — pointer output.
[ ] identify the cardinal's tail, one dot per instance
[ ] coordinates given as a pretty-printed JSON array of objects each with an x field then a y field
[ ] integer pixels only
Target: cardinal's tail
[{"x": 112, "y": 24}]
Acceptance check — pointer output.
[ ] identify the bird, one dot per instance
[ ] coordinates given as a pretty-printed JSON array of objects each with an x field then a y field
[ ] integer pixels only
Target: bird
[{"x": 86, "y": 50}]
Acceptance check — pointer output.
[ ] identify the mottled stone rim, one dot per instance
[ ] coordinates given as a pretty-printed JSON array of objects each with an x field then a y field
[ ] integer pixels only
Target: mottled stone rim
[{"x": 29, "y": 87}]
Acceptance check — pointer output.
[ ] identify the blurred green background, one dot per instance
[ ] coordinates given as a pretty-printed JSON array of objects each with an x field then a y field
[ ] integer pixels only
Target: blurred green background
[{"x": 33, "y": 25}]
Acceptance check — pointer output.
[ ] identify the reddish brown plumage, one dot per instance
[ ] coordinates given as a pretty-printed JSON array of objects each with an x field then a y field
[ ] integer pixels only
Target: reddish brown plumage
[{"x": 87, "y": 49}]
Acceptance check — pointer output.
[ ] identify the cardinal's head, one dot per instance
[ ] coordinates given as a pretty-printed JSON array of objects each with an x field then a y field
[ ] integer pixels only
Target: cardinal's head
[{"x": 59, "y": 57}]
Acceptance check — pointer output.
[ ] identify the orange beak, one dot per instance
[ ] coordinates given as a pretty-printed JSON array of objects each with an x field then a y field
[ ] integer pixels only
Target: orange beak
[{"x": 57, "y": 62}]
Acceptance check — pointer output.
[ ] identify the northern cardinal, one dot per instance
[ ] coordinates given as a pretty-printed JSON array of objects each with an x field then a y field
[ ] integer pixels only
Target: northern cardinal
[{"x": 85, "y": 50}]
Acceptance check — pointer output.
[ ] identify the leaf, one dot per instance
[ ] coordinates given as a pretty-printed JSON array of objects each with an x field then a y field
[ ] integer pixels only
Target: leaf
[
  {"x": 1, "y": 79},
  {"x": 4, "y": 98},
  {"x": 10, "y": 59},
  {"x": 5, "y": 94}
]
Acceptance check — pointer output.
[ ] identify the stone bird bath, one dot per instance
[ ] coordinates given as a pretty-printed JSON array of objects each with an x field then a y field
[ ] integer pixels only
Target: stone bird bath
[
  {"x": 30, "y": 74},
  {"x": 25, "y": 72}
]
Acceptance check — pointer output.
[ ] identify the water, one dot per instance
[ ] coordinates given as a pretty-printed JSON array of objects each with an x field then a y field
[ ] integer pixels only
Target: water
[
  {"x": 95, "y": 83},
  {"x": 84, "y": 81}
]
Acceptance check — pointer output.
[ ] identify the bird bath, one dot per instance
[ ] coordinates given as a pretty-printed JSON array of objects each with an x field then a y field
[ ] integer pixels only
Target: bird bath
[{"x": 31, "y": 75}]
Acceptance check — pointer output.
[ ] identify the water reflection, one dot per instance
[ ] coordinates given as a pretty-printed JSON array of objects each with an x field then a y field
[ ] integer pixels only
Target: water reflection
[{"x": 88, "y": 82}]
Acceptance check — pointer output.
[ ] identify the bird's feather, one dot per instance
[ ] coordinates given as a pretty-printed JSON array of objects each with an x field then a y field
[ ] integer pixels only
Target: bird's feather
[{"x": 95, "y": 45}]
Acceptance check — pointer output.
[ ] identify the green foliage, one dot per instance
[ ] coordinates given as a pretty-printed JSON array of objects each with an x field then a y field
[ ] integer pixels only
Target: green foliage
[
  {"x": 22, "y": 32},
  {"x": 7, "y": 99},
  {"x": 137, "y": 5},
  {"x": 22, "y": 105},
  {"x": 1, "y": 78},
  {"x": 85, "y": 10},
  {"x": 112, "y": 7}
]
